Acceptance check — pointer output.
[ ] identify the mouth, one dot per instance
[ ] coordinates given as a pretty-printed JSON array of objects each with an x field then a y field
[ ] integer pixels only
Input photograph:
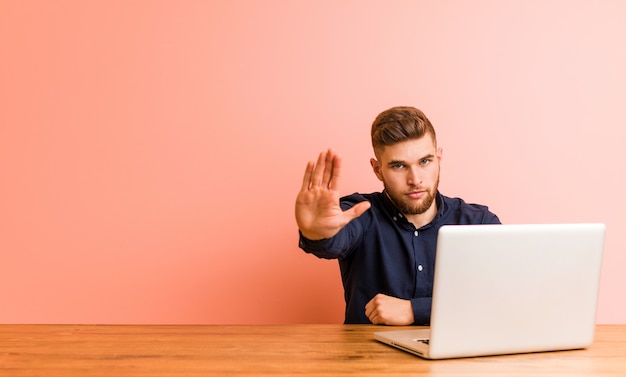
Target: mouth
[{"x": 416, "y": 194}]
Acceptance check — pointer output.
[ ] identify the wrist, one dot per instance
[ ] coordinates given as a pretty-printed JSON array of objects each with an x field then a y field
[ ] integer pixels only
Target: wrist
[{"x": 311, "y": 236}]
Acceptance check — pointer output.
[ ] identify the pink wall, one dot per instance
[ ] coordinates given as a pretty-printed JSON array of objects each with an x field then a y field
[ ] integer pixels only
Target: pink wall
[{"x": 151, "y": 151}]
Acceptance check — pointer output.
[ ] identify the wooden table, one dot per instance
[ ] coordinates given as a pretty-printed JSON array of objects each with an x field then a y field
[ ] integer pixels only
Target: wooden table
[{"x": 270, "y": 350}]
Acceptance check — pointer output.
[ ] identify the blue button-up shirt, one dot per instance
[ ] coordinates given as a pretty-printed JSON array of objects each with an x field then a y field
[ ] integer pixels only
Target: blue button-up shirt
[{"x": 382, "y": 252}]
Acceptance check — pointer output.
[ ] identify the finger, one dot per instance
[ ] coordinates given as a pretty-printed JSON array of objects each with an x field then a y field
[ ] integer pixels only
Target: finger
[
  {"x": 369, "y": 313},
  {"x": 328, "y": 168},
  {"x": 333, "y": 180},
  {"x": 356, "y": 211},
  {"x": 318, "y": 171},
  {"x": 369, "y": 308},
  {"x": 374, "y": 318},
  {"x": 306, "y": 180}
]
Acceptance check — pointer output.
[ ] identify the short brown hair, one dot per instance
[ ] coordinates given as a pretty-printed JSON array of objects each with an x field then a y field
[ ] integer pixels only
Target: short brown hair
[{"x": 398, "y": 124}]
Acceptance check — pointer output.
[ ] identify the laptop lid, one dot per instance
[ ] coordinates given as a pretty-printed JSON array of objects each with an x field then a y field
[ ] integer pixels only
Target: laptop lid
[{"x": 503, "y": 289}]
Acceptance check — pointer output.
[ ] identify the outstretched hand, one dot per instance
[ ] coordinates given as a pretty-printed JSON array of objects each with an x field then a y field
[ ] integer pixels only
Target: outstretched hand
[{"x": 318, "y": 213}]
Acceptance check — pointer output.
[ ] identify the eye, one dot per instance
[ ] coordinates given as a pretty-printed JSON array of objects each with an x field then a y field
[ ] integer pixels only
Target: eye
[
  {"x": 397, "y": 166},
  {"x": 425, "y": 161}
]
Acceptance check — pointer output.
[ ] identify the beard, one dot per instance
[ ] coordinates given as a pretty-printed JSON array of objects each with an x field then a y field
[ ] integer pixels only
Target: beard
[{"x": 409, "y": 207}]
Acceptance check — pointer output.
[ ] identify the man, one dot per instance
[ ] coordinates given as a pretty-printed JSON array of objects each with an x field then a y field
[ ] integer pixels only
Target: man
[{"x": 385, "y": 241}]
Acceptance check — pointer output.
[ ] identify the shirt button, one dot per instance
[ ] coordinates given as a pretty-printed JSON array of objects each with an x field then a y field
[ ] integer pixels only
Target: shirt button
[
  {"x": 420, "y": 268},
  {"x": 395, "y": 218},
  {"x": 416, "y": 233}
]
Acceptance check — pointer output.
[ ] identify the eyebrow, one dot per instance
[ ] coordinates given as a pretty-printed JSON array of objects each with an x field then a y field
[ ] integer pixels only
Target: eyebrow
[{"x": 394, "y": 162}]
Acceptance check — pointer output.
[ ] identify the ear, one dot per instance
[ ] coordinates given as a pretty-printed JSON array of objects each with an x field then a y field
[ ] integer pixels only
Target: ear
[
  {"x": 376, "y": 168},
  {"x": 439, "y": 153}
]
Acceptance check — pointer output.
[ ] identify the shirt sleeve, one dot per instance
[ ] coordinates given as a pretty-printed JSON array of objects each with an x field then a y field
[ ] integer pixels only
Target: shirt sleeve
[
  {"x": 421, "y": 310},
  {"x": 338, "y": 246},
  {"x": 320, "y": 248}
]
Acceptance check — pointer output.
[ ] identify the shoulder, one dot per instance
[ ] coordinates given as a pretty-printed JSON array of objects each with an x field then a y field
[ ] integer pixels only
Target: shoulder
[{"x": 468, "y": 213}]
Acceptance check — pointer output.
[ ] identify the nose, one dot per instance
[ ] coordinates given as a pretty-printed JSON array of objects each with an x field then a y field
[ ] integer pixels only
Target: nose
[{"x": 413, "y": 176}]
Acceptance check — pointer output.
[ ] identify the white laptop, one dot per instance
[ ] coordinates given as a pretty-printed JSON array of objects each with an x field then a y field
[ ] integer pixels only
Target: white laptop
[{"x": 504, "y": 289}]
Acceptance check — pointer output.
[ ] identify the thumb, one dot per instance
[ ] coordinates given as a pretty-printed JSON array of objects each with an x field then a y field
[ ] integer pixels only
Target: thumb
[{"x": 356, "y": 210}]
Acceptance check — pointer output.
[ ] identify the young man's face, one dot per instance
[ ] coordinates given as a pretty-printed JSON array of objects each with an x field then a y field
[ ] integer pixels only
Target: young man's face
[{"x": 409, "y": 171}]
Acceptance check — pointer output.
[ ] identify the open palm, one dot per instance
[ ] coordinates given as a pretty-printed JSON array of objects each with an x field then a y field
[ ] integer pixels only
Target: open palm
[{"x": 318, "y": 213}]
